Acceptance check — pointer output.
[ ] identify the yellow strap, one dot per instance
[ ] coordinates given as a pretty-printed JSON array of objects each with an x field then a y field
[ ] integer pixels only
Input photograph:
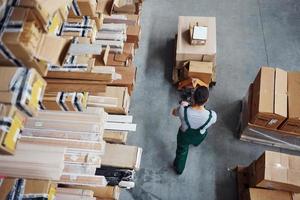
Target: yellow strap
[
  {"x": 37, "y": 87},
  {"x": 84, "y": 99},
  {"x": 52, "y": 193},
  {"x": 13, "y": 132},
  {"x": 55, "y": 24}
]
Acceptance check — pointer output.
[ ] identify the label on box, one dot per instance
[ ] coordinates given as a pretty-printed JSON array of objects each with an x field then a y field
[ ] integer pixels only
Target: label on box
[{"x": 200, "y": 33}]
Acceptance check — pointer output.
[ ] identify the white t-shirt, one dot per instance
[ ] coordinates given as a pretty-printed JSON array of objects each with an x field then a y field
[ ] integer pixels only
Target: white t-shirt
[{"x": 196, "y": 118}]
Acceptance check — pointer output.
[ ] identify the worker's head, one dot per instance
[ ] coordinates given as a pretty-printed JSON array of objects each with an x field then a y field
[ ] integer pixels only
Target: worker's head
[{"x": 201, "y": 95}]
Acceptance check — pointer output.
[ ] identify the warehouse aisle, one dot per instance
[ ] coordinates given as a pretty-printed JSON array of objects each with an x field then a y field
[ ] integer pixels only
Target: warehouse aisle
[{"x": 243, "y": 27}]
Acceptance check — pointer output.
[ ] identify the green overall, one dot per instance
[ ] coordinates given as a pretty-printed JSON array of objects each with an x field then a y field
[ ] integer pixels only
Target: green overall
[{"x": 184, "y": 139}]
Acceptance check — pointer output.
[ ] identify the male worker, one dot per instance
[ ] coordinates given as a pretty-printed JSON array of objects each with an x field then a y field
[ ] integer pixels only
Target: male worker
[{"x": 195, "y": 120}]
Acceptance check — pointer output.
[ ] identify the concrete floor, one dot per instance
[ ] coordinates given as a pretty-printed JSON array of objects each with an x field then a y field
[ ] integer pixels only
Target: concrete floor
[{"x": 250, "y": 33}]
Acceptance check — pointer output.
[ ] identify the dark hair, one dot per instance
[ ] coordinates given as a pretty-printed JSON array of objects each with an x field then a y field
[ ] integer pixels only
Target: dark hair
[{"x": 201, "y": 95}]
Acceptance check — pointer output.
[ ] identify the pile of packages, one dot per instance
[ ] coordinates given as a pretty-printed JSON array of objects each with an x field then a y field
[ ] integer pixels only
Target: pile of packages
[
  {"x": 275, "y": 100},
  {"x": 195, "y": 56},
  {"x": 75, "y": 56},
  {"x": 270, "y": 110},
  {"x": 273, "y": 176}
]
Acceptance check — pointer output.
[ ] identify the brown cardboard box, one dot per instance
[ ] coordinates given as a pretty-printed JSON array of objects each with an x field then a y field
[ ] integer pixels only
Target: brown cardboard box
[
  {"x": 269, "y": 98},
  {"x": 277, "y": 171},
  {"x": 293, "y": 122},
  {"x": 37, "y": 187},
  {"x": 262, "y": 194},
  {"x": 46, "y": 10},
  {"x": 186, "y": 51},
  {"x": 82, "y": 8},
  {"x": 25, "y": 96},
  {"x": 201, "y": 70},
  {"x": 105, "y": 7},
  {"x": 125, "y": 6},
  {"x": 296, "y": 196},
  {"x": 29, "y": 46}
]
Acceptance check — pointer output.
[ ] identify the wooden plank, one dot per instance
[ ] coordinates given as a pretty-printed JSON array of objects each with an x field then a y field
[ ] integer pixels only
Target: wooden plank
[
  {"x": 97, "y": 117},
  {"x": 78, "y": 179},
  {"x": 120, "y": 118},
  {"x": 74, "y": 191},
  {"x": 116, "y": 137},
  {"x": 86, "y": 169},
  {"x": 90, "y": 146},
  {"x": 98, "y": 101},
  {"x": 34, "y": 161},
  {"x": 56, "y": 87},
  {"x": 119, "y": 126},
  {"x": 122, "y": 156},
  {"x": 60, "y": 134},
  {"x": 80, "y": 157},
  {"x": 85, "y": 49},
  {"x": 94, "y": 75},
  {"x": 108, "y": 192},
  {"x": 35, "y": 123}
]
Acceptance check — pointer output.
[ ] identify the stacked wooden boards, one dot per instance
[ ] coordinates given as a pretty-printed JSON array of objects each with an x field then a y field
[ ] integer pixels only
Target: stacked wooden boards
[
  {"x": 80, "y": 133},
  {"x": 89, "y": 65}
]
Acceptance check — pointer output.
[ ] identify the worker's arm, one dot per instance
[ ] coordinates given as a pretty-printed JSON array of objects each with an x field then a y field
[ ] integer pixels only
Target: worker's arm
[{"x": 175, "y": 111}]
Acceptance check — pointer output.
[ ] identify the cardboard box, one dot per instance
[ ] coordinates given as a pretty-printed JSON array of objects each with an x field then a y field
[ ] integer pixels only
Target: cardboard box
[
  {"x": 126, "y": 6},
  {"x": 186, "y": 51},
  {"x": 293, "y": 122},
  {"x": 277, "y": 171},
  {"x": 269, "y": 98},
  {"x": 82, "y": 8},
  {"x": 45, "y": 11},
  {"x": 262, "y": 194},
  {"x": 22, "y": 88},
  {"x": 37, "y": 187},
  {"x": 12, "y": 122},
  {"x": 29, "y": 47},
  {"x": 201, "y": 70}
]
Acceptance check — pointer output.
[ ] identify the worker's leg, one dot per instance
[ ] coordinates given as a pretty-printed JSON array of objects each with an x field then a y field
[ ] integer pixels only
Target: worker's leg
[
  {"x": 198, "y": 139},
  {"x": 181, "y": 156}
]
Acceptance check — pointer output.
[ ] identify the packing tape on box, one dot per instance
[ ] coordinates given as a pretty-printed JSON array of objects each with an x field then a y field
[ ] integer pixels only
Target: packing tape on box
[
  {"x": 76, "y": 8},
  {"x": 275, "y": 139},
  {"x": 17, "y": 190},
  {"x": 60, "y": 99},
  {"x": 69, "y": 68},
  {"x": 35, "y": 196},
  {"x": 76, "y": 102},
  {"x": 82, "y": 28}
]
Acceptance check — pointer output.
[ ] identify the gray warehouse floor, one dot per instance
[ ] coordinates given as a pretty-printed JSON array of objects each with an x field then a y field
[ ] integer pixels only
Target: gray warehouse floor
[{"x": 250, "y": 33}]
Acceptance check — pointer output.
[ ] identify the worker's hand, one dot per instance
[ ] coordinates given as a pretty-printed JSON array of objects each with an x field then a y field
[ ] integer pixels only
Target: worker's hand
[
  {"x": 184, "y": 103},
  {"x": 174, "y": 112}
]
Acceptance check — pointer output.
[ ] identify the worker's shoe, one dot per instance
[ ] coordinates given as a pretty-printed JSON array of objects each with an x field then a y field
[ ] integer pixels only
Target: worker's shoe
[{"x": 175, "y": 169}]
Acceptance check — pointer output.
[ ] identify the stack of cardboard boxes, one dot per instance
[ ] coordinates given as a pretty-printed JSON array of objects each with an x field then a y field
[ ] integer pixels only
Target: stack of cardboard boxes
[
  {"x": 272, "y": 106},
  {"x": 272, "y": 176},
  {"x": 74, "y": 55},
  {"x": 21, "y": 93},
  {"x": 195, "y": 54}
]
